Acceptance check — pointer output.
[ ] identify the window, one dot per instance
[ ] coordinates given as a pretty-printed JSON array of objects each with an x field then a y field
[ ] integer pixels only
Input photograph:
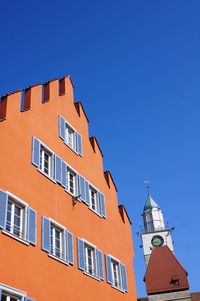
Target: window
[
  {"x": 90, "y": 259},
  {"x": 91, "y": 196},
  {"x": 11, "y": 294},
  {"x": 43, "y": 158},
  {"x": 70, "y": 136},
  {"x": 17, "y": 218},
  {"x": 46, "y": 161},
  {"x": 9, "y": 297},
  {"x": 15, "y": 221},
  {"x": 94, "y": 201},
  {"x": 116, "y": 273},
  {"x": 57, "y": 241},
  {"x": 72, "y": 181}
]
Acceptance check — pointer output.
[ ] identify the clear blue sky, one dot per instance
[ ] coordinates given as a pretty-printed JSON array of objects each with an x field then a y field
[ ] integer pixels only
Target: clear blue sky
[{"x": 136, "y": 68}]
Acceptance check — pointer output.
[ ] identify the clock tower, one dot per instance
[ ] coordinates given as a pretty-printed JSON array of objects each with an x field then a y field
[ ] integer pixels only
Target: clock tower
[{"x": 155, "y": 233}]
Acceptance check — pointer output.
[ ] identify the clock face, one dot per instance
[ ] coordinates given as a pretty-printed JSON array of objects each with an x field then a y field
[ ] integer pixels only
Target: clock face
[{"x": 157, "y": 241}]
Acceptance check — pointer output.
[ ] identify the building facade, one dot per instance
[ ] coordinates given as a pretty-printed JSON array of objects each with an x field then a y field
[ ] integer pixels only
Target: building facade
[{"x": 63, "y": 235}]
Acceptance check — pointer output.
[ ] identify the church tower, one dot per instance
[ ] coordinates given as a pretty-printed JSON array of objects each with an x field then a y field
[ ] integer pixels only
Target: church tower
[{"x": 155, "y": 232}]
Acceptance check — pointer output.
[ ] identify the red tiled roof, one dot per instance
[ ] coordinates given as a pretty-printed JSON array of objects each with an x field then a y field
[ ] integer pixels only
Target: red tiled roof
[{"x": 164, "y": 272}]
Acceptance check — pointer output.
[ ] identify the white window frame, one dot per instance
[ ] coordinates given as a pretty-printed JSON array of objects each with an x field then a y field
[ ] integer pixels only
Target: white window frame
[
  {"x": 94, "y": 191},
  {"x": 88, "y": 247},
  {"x": 94, "y": 274},
  {"x": 119, "y": 276},
  {"x": 62, "y": 230},
  {"x": 7, "y": 290},
  {"x": 45, "y": 150},
  {"x": 54, "y": 227},
  {"x": 72, "y": 172},
  {"x": 15, "y": 201},
  {"x": 69, "y": 130}
]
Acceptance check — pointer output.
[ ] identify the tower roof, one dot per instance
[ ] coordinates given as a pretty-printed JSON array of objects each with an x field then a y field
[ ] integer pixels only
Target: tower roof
[
  {"x": 150, "y": 203},
  {"x": 164, "y": 272}
]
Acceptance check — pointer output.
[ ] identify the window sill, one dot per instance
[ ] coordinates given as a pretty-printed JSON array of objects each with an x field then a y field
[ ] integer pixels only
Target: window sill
[
  {"x": 95, "y": 212},
  {"x": 58, "y": 259},
  {"x": 73, "y": 196},
  {"x": 117, "y": 288},
  {"x": 46, "y": 175},
  {"x": 71, "y": 148},
  {"x": 92, "y": 276},
  {"x": 15, "y": 237}
]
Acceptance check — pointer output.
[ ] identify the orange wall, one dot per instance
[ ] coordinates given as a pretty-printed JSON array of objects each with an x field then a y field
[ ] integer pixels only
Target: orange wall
[{"x": 29, "y": 268}]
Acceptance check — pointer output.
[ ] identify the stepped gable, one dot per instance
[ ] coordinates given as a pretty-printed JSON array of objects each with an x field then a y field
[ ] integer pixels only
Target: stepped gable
[{"x": 164, "y": 272}]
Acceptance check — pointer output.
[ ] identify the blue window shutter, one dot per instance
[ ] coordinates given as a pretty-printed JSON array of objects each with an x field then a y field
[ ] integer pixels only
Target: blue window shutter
[
  {"x": 36, "y": 152},
  {"x": 79, "y": 144},
  {"x": 58, "y": 169},
  {"x": 87, "y": 193},
  {"x": 102, "y": 204},
  {"x": 69, "y": 247},
  {"x": 81, "y": 181},
  {"x": 81, "y": 264},
  {"x": 29, "y": 299},
  {"x": 99, "y": 264},
  {"x": 45, "y": 234},
  {"x": 124, "y": 279},
  {"x": 61, "y": 127},
  {"x": 3, "y": 208},
  {"x": 0, "y": 293},
  {"x": 64, "y": 175},
  {"x": 22, "y": 100},
  {"x": 32, "y": 223},
  {"x": 108, "y": 269}
]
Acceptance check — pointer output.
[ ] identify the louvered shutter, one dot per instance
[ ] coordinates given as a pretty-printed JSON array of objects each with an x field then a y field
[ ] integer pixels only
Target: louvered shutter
[
  {"x": 58, "y": 169},
  {"x": 108, "y": 269},
  {"x": 64, "y": 174},
  {"x": 3, "y": 208},
  {"x": 99, "y": 264},
  {"x": 45, "y": 234},
  {"x": 102, "y": 204},
  {"x": 62, "y": 127},
  {"x": 81, "y": 264},
  {"x": 81, "y": 181},
  {"x": 124, "y": 278},
  {"x": 0, "y": 293},
  {"x": 69, "y": 247},
  {"x": 79, "y": 144},
  {"x": 87, "y": 193},
  {"x": 32, "y": 226},
  {"x": 36, "y": 152}
]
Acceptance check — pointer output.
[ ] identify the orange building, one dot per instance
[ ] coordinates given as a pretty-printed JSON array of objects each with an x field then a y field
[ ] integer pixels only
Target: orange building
[{"x": 63, "y": 235}]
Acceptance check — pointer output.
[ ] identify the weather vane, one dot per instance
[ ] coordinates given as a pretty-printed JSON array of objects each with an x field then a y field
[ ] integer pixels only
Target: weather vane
[{"x": 147, "y": 185}]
